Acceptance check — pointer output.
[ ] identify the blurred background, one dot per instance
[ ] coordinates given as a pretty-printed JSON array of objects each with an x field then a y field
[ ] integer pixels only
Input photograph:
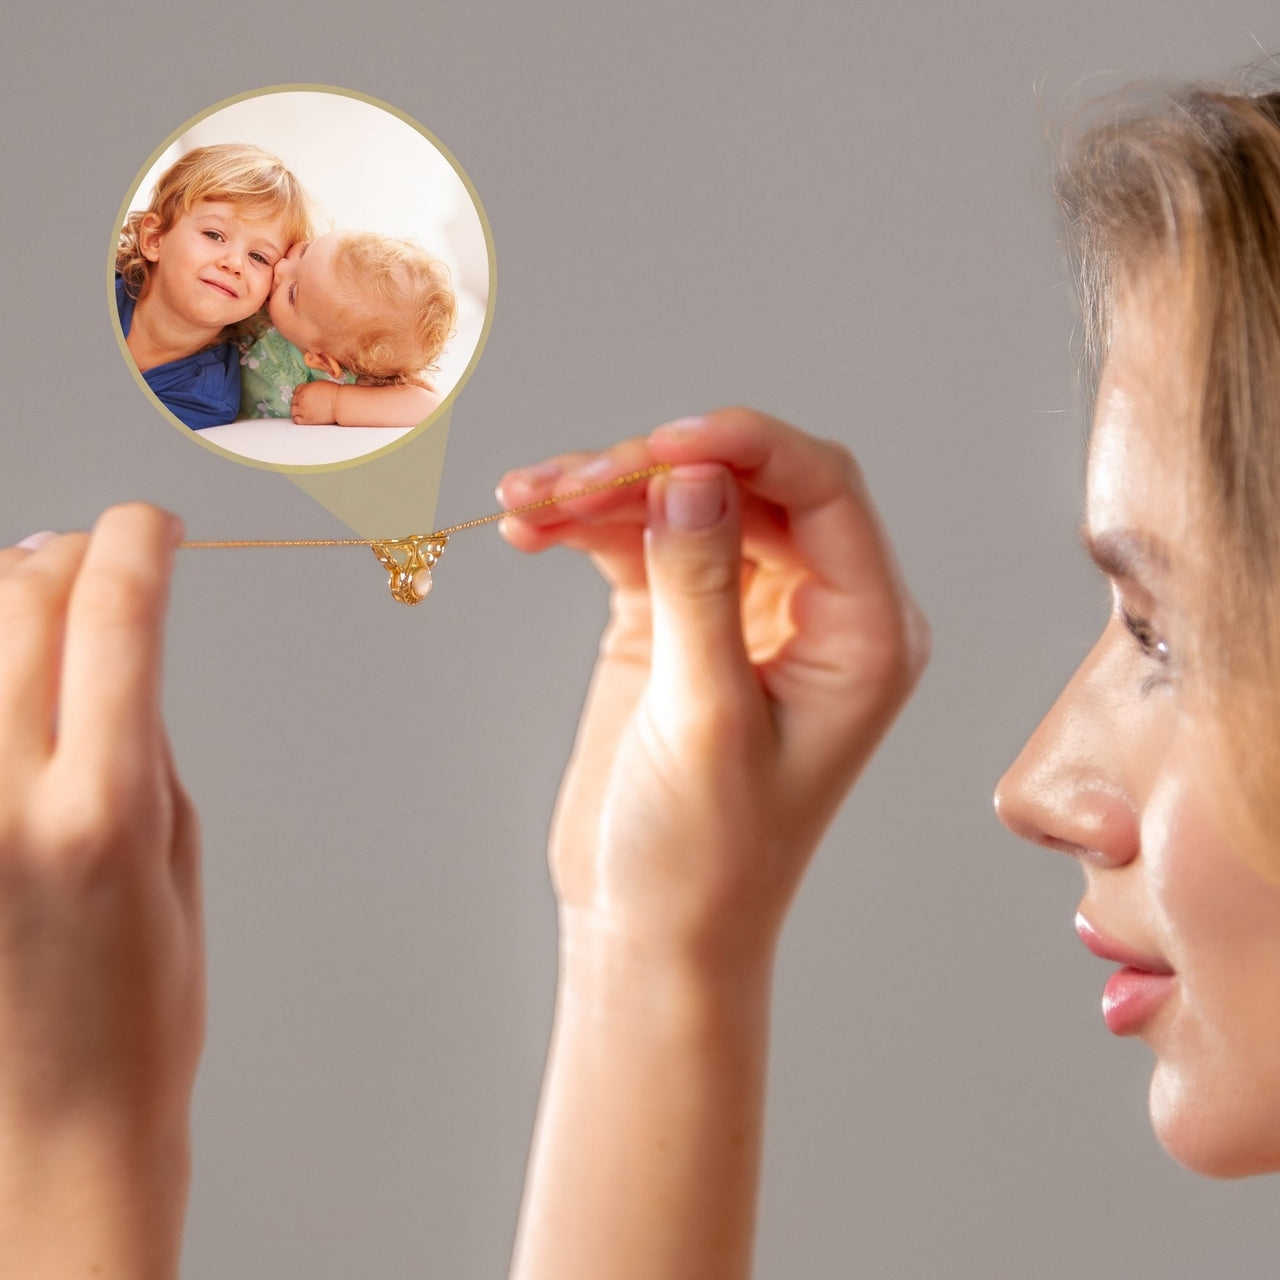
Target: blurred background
[{"x": 838, "y": 212}]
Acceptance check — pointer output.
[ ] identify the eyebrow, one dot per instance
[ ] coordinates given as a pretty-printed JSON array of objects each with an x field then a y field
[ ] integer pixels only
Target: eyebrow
[{"x": 1126, "y": 553}]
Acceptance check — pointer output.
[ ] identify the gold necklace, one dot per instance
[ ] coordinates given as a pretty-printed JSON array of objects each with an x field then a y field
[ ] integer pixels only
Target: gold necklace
[{"x": 409, "y": 560}]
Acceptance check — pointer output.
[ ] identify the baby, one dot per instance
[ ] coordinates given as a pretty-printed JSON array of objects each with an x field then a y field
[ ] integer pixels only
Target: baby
[{"x": 356, "y": 320}]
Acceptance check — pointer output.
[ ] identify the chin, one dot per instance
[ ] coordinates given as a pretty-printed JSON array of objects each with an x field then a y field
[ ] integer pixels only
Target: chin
[{"x": 1213, "y": 1128}]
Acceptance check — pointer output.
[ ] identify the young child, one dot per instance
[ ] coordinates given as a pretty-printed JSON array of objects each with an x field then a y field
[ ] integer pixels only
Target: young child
[
  {"x": 357, "y": 319},
  {"x": 196, "y": 264}
]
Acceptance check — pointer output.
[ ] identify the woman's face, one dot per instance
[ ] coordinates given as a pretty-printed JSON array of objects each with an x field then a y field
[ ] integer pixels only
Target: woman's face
[
  {"x": 1121, "y": 775},
  {"x": 213, "y": 267}
]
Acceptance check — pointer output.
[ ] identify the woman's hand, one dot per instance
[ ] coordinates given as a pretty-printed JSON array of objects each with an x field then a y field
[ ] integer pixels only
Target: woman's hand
[
  {"x": 760, "y": 643},
  {"x": 101, "y": 946},
  {"x": 751, "y": 664}
]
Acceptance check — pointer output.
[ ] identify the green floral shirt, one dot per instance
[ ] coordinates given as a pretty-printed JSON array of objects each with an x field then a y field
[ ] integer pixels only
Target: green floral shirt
[{"x": 269, "y": 371}]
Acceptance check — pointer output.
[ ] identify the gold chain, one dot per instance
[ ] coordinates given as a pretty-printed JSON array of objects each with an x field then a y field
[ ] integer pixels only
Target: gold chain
[{"x": 410, "y": 559}]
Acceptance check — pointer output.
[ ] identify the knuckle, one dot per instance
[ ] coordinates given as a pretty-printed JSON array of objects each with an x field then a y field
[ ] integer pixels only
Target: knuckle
[
  {"x": 711, "y": 578},
  {"x": 845, "y": 465},
  {"x": 186, "y": 817},
  {"x": 919, "y": 640},
  {"x": 86, "y": 825},
  {"x": 741, "y": 414},
  {"x": 897, "y": 655}
]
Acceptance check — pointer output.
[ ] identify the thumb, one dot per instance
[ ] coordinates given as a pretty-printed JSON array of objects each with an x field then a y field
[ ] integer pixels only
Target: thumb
[{"x": 693, "y": 559}]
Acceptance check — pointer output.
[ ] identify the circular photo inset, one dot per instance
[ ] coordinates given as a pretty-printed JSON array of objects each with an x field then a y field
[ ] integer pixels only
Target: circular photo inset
[{"x": 301, "y": 277}]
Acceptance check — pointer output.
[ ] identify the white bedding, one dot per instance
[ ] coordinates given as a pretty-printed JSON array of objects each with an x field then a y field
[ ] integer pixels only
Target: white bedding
[{"x": 280, "y": 441}]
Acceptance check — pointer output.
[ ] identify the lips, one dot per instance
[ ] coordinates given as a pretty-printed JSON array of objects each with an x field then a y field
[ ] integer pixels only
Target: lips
[
  {"x": 220, "y": 288},
  {"x": 1137, "y": 991}
]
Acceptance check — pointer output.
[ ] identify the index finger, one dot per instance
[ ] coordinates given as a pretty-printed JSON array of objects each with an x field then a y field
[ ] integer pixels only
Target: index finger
[{"x": 109, "y": 708}]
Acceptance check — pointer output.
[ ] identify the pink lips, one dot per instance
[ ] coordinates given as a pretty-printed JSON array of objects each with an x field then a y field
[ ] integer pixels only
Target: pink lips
[
  {"x": 221, "y": 288},
  {"x": 1134, "y": 994}
]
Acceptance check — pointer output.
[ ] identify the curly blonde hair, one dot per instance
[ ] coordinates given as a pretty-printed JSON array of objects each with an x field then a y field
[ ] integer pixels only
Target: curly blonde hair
[
  {"x": 253, "y": 180},
  {"x": 400, "y": 311}
]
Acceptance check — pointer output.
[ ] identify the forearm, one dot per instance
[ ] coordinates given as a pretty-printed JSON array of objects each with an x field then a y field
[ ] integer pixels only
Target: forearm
[
  {"x": 392, "y": 406},
  {"x": 74, "y": 1208},
  {"x": 646, "y": 1153}
]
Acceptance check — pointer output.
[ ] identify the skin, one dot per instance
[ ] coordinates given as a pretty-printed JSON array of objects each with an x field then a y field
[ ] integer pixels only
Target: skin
[
  {"x": 1121, "y": 775},
  {"x": 752, "y": 662},
  {"x": 674, "y": 857},
  {"x": 307, "y": 308},
  {"x": 210, "y": 269},
  {"x": 760, "y": 643},
  {"x": 101, "y": 941},
  {"x": 306, "y": 297}
]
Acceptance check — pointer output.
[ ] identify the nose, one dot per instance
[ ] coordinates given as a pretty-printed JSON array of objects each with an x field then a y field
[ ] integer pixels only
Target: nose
[
  {"x": 232, "y": 257},
  {"x": 1067, "y": 789}
]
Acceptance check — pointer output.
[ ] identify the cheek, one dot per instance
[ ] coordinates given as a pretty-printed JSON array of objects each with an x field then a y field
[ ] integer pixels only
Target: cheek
[
  {"x": 282, "y": 317},
  {"x": 260, "y": 285},
  {"x": 1215, "y": 1095}
]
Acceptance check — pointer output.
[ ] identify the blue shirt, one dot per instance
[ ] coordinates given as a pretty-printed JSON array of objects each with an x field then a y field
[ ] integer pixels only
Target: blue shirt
[{"x": 202, "y": 390}]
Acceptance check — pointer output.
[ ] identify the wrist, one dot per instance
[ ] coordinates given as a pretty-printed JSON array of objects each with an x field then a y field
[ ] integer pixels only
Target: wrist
[
  {"x": 335, "y": 403},
  {"x": 87, "y": 1202},
  {"x": 612, "y": 972}
]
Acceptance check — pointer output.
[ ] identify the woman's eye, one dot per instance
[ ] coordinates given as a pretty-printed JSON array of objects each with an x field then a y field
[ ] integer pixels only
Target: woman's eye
[{"x": 1153, "y": 646}]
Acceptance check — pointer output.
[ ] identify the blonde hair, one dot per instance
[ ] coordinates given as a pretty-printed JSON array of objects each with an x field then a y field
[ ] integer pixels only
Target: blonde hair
[
  {"x": 1183, "y": 194},
  {"x": 253, "y": 180},
  {"x": 399, "y": 338}
]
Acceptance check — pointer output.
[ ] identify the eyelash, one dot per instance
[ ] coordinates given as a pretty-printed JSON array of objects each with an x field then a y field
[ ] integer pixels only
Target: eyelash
[
  {"x": 260, "y": 258},
  {"x": 1152, "y": 645}
]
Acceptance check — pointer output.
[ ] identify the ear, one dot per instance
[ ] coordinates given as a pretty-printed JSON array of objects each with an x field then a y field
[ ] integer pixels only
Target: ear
[
  {"x": 326, "y": 364},
  {"x": 149, "y": 237}
]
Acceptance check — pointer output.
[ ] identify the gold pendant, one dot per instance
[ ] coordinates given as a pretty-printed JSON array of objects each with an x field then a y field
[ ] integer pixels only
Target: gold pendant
[{"x": 409, "y": 562}]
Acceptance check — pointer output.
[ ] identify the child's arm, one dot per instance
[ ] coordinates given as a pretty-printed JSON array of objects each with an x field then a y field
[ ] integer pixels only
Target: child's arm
[{"x": 321, "y": 403}]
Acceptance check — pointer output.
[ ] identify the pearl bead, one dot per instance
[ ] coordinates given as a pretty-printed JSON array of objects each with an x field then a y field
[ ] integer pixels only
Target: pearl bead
[{"x": 422, "y": 582}]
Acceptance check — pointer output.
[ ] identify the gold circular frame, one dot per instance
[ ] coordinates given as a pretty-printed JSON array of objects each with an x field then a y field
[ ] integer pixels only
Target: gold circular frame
[{"x": 441, "y": 409}]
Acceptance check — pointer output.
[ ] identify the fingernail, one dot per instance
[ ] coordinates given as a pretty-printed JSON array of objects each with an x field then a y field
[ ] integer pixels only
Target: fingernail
[
  {"x": 34, "y": 541},
  {"x": 540, "y": 474},
  {"x": 177, "y": 528},
  {"x": 695, "y": 497},
  {"x": 684, "y": 426},
  {"x": 596, "y": 470}
]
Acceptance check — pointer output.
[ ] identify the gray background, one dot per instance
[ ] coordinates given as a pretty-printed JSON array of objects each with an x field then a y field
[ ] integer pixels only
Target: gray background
[{"x": 836, "y": 212}]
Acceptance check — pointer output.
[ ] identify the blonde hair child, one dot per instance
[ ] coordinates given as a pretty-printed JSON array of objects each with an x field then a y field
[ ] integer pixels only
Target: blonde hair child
[{"x": 196, "y": 264}]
